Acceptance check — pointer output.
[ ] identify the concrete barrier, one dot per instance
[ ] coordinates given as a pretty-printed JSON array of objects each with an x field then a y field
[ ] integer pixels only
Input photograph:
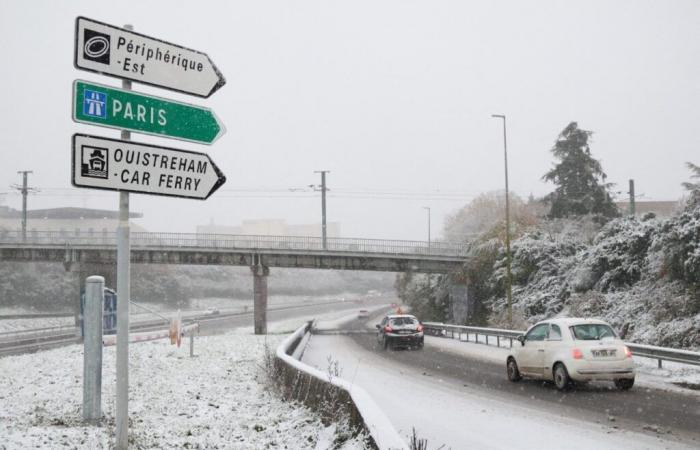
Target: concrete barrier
[{"x": 332, "y": 396}]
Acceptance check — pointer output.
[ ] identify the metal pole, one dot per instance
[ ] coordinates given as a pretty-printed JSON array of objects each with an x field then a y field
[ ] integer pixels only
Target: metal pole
[
  {"x": 509, "y": 278},
  {"x": 191, "y": 344},
  {"x": 428, "y": 208},
  {"x": 123, "y": 298},
  {"x": 633, "y": 206},
  {"x": 92, "y": 353},
  {"x": 24, "y": 190},
  {"x": 323, "y": 206}
]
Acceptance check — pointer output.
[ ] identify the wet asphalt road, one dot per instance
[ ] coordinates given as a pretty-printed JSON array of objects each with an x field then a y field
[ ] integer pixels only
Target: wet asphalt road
[{"x": 639, "y": 409}]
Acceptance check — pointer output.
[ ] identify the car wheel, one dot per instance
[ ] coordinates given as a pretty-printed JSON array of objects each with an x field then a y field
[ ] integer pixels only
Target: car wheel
[
  {"x": 386, "y": 343},
  {"x": 624, "y": 384},
  {"x": 512, "y": 370},
  {"x": 561, "y": 377}
]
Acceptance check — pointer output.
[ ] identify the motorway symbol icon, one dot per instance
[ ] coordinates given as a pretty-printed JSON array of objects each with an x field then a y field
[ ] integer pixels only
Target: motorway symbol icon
[
  {"x": 122, "y": 53},
  {"x": 113, "y": 164},
  {"x": 110, "y": 107}
]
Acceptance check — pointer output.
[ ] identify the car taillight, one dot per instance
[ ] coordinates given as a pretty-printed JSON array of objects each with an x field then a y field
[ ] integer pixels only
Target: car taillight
[
  {"x": 577, "y": 354},
  {"x": 388, "y": 329},
  {"x": 628, "y": 352},
  {"x": 420, "y": 327}
]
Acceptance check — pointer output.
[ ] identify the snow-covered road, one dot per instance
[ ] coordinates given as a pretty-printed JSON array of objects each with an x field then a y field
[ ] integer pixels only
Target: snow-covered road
[{"x": 447, "y": 410}]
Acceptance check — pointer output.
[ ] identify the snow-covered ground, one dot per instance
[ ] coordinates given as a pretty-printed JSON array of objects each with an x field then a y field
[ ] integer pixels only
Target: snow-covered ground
[
  {"x": 218, "y": 399},
  {"x": 447, "y": 412}
]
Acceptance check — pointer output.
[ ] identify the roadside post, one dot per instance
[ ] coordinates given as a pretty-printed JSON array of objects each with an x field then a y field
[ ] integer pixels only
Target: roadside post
[
  {"x": 125, "y": 166},
  {"x": 124, "y": 292},
  {"x": 92, "y": 344}
]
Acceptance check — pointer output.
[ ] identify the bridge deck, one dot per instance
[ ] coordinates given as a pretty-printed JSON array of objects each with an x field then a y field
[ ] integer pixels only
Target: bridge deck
[{"x": 273, "y": 251}]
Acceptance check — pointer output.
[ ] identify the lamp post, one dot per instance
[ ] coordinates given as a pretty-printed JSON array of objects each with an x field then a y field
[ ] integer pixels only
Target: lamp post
[
  {"x": 428, "y": 209},
  {"x": 509, "y": 278}
]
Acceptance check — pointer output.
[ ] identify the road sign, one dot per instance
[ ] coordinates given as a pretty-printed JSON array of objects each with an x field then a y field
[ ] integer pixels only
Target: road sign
[
  {"x": 122, "y": 53},
  {"x": 116, "y": 165},
  {"x": 111, "y": 107}
]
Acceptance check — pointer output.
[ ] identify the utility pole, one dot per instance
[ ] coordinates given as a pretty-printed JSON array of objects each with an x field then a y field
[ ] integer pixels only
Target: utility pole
[
  {"x": 24, "y": 189},
  {"x": 509, "y": 278},
  {"x": 633, "y": 206},
  {"x": 428, "y": 209},
  {"x": 323, "y": 205}
]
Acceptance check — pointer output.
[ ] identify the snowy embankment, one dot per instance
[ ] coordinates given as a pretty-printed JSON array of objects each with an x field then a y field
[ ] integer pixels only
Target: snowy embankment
[{"x": 218, "y": 399}]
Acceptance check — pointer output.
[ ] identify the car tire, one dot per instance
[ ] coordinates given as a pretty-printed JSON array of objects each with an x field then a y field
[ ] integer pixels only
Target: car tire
[
  {"x": 386, "y": 343},
  {"x": 561, "y": 377},
  {"x": 512, "y": 370},
  {"x": 624, "y": 384}
]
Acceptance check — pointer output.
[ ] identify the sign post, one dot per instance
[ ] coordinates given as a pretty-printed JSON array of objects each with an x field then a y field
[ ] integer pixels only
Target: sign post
[
  {"x": 124, "y": 292},
  {"x": 122, "y": 53},
  {"x": 118, "y": 165},
  {"x": 105, "y": 106},
  {"x": 125, "y": 166}
]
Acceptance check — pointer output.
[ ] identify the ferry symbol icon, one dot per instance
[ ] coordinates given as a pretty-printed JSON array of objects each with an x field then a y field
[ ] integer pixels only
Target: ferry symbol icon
[{"x": 94, "y": 162}]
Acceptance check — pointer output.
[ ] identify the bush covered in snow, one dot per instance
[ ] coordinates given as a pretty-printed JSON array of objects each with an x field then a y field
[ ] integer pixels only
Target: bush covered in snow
[{"x": 640, "y": 274}]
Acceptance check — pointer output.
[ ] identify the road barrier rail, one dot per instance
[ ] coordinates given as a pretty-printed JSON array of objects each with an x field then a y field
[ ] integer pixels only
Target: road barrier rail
[
  {"x": 329, "y": 393},
  {"x": 642, "y": 350}
]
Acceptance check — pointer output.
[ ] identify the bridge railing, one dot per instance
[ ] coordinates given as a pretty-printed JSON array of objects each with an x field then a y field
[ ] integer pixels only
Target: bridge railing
[{"x": 229, "y": 241}]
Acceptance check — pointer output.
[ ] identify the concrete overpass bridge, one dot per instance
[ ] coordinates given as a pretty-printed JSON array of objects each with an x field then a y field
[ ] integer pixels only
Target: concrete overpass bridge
[{"x": 95, "y": 253}]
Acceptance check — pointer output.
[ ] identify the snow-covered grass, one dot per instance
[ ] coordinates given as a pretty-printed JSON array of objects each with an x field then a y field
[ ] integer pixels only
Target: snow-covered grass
[{"x": 218, "y": 399}]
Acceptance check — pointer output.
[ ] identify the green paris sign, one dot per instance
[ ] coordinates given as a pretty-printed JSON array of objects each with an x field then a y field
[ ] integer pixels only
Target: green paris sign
[{"x": 105, "y": 106}]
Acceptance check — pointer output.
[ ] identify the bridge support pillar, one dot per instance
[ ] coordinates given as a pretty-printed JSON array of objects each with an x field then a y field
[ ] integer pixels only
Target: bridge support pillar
[{"x": 260, "y": 274}]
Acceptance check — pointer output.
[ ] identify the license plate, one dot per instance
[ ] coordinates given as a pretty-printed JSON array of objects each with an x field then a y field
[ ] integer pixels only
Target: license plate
[{"x": 603, "y": 353}]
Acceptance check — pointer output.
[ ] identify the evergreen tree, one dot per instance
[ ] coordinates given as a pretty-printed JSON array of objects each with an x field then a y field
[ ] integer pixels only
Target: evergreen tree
[
  {"x": 579, "y": 178},
  {"x": 693, "y": 188}
]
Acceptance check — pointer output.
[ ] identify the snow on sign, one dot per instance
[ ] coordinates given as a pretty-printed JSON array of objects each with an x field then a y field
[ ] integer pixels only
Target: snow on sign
[
  {"x": 106, "y": 106},
  {"x": 112, "y": 164},
  {"x": 122, "y": 53}
]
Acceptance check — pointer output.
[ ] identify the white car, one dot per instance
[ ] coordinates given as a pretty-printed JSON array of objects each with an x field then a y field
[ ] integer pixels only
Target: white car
[{"x": 570, "y": 350}]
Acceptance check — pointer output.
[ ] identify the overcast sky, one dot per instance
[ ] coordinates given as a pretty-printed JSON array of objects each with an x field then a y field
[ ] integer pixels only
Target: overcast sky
[{"x": 393, "y": 97}]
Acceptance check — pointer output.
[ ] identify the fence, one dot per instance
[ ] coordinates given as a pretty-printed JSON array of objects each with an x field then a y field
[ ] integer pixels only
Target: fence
[
  {"x": 229, "y": 241},
  {"x": 645, "y": 351}
]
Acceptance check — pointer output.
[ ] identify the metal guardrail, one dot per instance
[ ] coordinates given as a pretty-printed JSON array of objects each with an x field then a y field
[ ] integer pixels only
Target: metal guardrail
[
  {"x": 230, "y": 241},
  {"x": 642, "y": 350}
]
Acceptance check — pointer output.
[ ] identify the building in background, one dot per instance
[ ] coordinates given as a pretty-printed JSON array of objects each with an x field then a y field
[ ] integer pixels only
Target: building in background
[
  {"x": 271, "y": 227},
  {"x": 662, "y": 209},
  {"x": 67, "y": 221}
]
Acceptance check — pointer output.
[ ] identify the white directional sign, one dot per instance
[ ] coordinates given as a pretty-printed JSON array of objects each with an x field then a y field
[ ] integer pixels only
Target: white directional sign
[
  {"x": 104, "y": 163},
  {"x": 122, "y": 53}
]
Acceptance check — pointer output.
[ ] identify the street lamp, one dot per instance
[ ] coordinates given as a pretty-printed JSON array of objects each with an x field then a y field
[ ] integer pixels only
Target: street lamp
[
  {"x": 428, "y": 209},
  {"x": 509, "y": 278}
]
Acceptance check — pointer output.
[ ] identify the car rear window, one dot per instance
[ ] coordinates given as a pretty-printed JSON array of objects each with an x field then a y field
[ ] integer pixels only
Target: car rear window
[
  {"x": 404, "y": 321},
  {"x": 592, "y": 332}
]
